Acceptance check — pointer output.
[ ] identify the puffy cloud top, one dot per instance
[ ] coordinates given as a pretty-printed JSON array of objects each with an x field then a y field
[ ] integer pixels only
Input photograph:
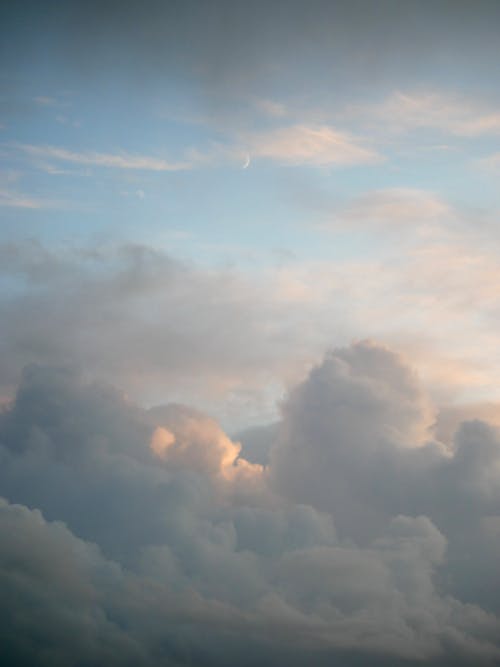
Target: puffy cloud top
[{"x": 147, "y": 538}]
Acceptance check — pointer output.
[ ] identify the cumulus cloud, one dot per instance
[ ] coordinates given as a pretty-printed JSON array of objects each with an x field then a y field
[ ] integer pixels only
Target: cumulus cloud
[
  {"x": 148, "y": 538},
  {"x": 450, "y": 417},
  {"x": 361, "y": 527},
  {"x": 187, "y": 438},
  {"x": 358, "y": 440},
  {"x": 359, "y": 414}
]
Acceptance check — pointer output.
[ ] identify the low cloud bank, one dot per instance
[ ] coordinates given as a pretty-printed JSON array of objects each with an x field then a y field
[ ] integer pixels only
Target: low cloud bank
[{"x": 146, "y": 537}]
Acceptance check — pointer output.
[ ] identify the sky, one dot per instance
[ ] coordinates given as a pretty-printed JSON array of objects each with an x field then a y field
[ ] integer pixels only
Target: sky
[{"x": 249, "y": 314}]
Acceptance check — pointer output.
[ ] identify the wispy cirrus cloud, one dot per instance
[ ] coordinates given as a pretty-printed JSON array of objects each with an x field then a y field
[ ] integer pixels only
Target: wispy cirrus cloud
[
  {"x": 490, "y": 162},
  {"x": 453, "y": 114},
  {"x": 296, "y": 145},
  {"x": 46, "y": 101},
  {"x": 396, "y": 209},
  {"x": 310, "y": 145},
  {"x": 270, "y": 108},
  {"x": 122, "y": 160},
  {"x": 14, "y": 199}
]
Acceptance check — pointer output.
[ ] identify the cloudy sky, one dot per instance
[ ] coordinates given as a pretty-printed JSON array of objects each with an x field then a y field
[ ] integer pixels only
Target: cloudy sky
[{"x": 249, "y": 315}]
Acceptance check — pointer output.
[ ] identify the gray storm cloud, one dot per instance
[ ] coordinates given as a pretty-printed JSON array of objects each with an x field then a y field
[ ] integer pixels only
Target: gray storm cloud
[{"x": 146, "y": 537}]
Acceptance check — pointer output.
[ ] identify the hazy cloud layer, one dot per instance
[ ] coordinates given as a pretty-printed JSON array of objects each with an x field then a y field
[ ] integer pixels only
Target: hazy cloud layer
[
  {"x": 447, "y": 113},
  {"x": 148, "y": 538},
  {"x": 232, "y": 337},
  {"x": 180, "y": 326}
]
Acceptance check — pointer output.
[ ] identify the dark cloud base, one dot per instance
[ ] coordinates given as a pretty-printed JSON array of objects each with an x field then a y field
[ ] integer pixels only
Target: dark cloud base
[{"x": 136, "y": 537}]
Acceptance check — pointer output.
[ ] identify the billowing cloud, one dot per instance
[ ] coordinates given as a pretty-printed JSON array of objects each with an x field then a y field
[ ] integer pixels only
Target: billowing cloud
[
  {"x": 358, "y": 440},
  {"x": 187, "y": 438},
  {"x": 147, "y": 537}
]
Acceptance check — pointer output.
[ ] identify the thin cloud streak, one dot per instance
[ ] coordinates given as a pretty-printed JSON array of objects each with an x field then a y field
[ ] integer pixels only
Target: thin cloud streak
[
  {"x": 452, "y": 114},
  {"x": 310, "y": 145},
  {"x": 12, "y": 199},
  {"x": 490, "y": 162},
  {"x": 395, "y": 210},
  {"x": 107, "y": 160}
]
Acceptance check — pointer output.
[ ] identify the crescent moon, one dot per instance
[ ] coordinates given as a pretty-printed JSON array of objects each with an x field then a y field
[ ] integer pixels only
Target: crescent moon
[{"x": 247, "y": 162}]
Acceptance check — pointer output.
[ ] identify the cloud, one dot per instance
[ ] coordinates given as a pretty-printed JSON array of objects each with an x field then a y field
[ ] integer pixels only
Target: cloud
[
  {"x": 256, "y": 442},
  {"x": 452, "y": 114},
  {"x": 323, "y": 430},
  {"x": 15, "y": 199},
  {"x": 180, "y": 325},
  {"x": 450, "y": 417},
  {"x": 409, "y": 215},
  {"x": 187, "y": 438},
  {"x": 68, "y": 586},
  {"x": 316, "y": 146},
  {"x": 270, "y": 108},
  {"x": 107, "y": 160},
  {"x": 397, "y": 209},
  {"x": 230, "y": 339},
  {"x": 358, "y": 440},
  {"x": 123, "y": 530},
  {"x": 490, "y": 162},
  {"x": 45, "y": 101}
]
